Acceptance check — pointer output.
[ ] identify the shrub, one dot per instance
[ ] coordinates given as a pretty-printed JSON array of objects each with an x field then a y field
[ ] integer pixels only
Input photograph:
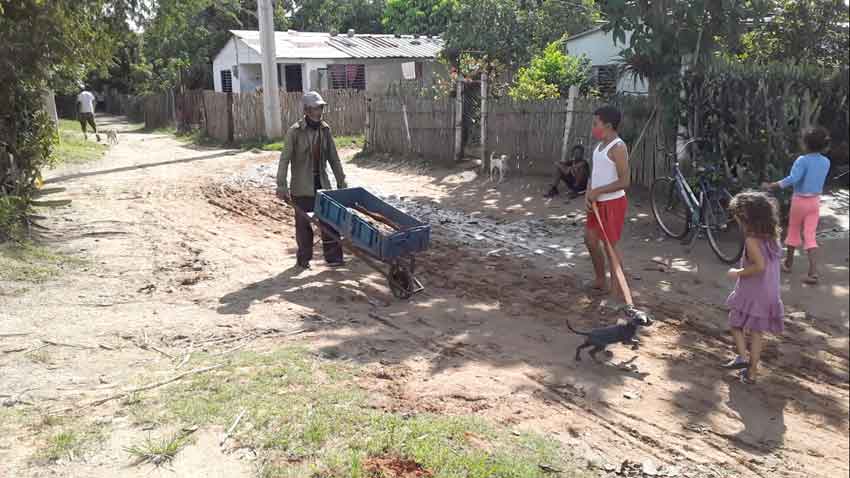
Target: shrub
[
  {"x": 752, "y": 115},
  {"x": 551, "y": 74}
]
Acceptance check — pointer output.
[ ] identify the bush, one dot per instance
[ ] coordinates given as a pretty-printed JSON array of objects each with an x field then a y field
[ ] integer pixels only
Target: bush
[
  {"x": 551, "y": 74},
  {"x": 752, "y": 115}
]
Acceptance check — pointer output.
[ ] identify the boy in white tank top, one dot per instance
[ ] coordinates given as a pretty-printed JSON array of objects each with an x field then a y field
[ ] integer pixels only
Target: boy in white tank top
[{"x": 609, "y": 179}]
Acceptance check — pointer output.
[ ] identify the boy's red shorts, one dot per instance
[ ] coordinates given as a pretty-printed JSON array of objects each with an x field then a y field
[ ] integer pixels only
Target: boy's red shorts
[{"x": 613, "y": 216}]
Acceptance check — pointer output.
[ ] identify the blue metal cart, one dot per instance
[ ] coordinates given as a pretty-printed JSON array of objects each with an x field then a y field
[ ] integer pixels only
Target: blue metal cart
[{"x": 393, "y": 254}]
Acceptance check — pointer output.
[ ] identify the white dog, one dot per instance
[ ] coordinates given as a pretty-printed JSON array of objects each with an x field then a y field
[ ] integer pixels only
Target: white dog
[
  {"x": 112, "y": 136},
  {"x": 498, "y": 165}
]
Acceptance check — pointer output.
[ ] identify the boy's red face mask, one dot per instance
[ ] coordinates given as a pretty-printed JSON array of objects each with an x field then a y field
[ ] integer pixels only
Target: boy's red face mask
[
  {"x": 597, "y": 129},
  {"x": 598, "y": 133}
]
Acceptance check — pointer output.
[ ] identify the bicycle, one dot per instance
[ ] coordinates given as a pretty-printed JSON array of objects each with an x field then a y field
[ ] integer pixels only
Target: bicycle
[{"x": 679, "y": 211}]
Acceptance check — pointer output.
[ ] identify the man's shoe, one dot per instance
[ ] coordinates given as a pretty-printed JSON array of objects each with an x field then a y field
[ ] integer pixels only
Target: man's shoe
[
  {"x": 336, "y": 264},
  {"x": 302, "y": 265},
  {"x": 551, "y": 193}
]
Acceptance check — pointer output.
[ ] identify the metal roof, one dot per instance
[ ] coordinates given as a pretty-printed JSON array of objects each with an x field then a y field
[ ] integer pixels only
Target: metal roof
[{"x": 313, "y": 45}]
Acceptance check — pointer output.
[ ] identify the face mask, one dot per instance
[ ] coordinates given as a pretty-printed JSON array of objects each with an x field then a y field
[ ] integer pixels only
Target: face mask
[{"x": 598, "y": 133}]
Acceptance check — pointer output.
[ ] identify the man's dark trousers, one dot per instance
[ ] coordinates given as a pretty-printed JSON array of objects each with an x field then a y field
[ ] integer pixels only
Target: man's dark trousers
[{"x": 304, "y": 235}]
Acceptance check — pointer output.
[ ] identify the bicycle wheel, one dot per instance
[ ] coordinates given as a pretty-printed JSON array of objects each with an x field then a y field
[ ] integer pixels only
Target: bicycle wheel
[
  {"x": 669, "y": 209},
  {"x": 725, "y": 235}
]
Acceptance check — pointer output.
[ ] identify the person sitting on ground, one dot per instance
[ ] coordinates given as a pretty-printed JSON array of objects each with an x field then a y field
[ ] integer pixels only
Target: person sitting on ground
[
  {"x": 85, "y": 112},
  {"x": 808, "y": 175},
  {"x": 309, "y": 147},
  {"x": 573, "y": 172}
]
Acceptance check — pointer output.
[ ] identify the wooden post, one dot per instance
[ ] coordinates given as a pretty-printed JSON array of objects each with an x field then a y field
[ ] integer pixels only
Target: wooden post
[
  {"x": 459, "y": 119},
  {"x": 230, "y": 124},
  {"x": 484, "y": 159},
  {"x": 368, "y": 133},
  {"x": 271, "y": 97},
  {"x": 568, "y": 121},
  {"x": 406, "y": 125}
]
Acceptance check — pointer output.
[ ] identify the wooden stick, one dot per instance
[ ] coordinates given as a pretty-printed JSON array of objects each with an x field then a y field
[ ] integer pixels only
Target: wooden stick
[
  {"x": 232, "y": 427},
  {"x": 377, "y": 216},
  {"x": 186, "y": 357},
  {"x": 62, "y": 344},
  {"x": 151, "y": 386},
  {"x": 234, "y": 349},
  {"x": 616, "y": 267},
  {"x": 151, "y": 347},
  {"x": 18, "y": 334}
]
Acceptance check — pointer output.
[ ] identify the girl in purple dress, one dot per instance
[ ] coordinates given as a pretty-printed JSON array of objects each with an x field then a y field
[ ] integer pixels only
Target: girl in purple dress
[{"x": 755, "y": 306}]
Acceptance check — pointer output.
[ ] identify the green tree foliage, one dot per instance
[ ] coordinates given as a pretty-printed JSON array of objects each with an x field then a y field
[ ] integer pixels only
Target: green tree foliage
[
  {"x": 42, "y": 45},
  {"x": 183, "y": 36},
  {"x": 552, "y": 20},
  {"x": 495, "y": 31},
  {"x": 363, "y": 16},
  {"x": 664, "y": 31},
  {"x": 801, "y": 31},
  {"x": 507, "y": 33},
  {"x": 428, "y": 17},
  {"x": 551, "y": 74}
]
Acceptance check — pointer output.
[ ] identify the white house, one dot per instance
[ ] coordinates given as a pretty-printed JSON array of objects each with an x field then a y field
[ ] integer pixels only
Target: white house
[
  {"x": 604, "y": 54},
  {"x": 318, "y": 61}
]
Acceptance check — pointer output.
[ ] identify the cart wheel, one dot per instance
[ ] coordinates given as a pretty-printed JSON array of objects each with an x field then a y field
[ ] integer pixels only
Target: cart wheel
[{"x": 401, "y": 281}]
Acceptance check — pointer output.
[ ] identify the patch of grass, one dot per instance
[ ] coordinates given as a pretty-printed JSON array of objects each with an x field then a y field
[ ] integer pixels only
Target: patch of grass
[
  {"x": 355, "y": 141},
  {"x": 29, "y": 262},
  {"x": 157, "y": 452},
  {"x": 39, "y": 356},
  {"x": 72, "y": 148},
  {"x": 70, "y": 442},
  {"x": 309, "y": 418}
]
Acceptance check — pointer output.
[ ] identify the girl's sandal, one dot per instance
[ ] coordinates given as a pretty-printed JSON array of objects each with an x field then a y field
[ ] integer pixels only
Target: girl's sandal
[
  {"x": 811, "y": 280},
  {"x": 745, "y": 377}
]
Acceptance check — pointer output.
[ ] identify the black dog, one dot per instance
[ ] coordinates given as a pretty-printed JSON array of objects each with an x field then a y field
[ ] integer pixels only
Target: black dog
[{"x": 625, "y": 333}]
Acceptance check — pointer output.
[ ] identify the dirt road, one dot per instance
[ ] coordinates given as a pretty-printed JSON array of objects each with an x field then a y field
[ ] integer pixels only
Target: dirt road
[{"x": 488, "y": 338}]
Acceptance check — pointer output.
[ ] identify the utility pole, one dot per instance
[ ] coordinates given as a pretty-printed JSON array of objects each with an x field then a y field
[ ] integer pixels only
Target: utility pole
[{"x": 271, "y": 95}]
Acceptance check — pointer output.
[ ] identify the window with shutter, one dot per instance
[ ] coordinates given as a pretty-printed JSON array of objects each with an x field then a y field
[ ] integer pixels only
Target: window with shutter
[
  {"x": 352, "y": 77},
  {"x": 226, "y": 81}
]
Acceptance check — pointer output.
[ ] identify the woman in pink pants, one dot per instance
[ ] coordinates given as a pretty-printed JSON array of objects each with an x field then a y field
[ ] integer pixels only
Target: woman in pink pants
[{"x": 807, "y": 177}]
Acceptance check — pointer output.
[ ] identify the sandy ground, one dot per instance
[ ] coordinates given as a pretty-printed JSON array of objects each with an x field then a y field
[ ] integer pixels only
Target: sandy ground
[{"x": 487, "y": 337}]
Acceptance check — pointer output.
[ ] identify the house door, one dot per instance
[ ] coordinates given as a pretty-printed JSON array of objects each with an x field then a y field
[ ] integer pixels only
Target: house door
[{"x": 294, "y": 80}]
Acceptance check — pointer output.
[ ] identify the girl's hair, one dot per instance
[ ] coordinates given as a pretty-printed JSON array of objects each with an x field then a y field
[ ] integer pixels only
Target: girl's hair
[{"x": 758, "y": 212}]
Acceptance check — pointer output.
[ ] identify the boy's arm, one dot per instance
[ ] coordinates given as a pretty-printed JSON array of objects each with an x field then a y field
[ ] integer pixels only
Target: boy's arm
[
  {"x": 620, "y": 155},
  {"x": 798, "y": 170}
]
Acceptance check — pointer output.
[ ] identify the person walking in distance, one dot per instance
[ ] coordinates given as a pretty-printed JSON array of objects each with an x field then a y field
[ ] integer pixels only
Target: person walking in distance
[
  {"x": 807, "y": 177},
  {"x": 609, "y": 179},
  {"x": 85, "y": 112},
  {"x": 309, "y": 147}
]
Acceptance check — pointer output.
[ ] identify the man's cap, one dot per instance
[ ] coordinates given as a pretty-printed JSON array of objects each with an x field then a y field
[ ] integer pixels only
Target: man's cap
[{"x": 312, "y": 99}]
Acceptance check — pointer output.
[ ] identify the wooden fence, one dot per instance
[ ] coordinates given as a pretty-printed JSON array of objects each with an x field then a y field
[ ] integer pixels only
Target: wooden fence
[
  {"x": 531, "y": 134},
  {"x": 248, "y": 120},
  {"x": 239, "y": 117},
  {"x": 159, "y": 110},
  {"x": 417, "y": 126},
  {"x": 131, "y": 106},
  {"x": 345, "y": 111},
  {"x": 218, "y": 116}
]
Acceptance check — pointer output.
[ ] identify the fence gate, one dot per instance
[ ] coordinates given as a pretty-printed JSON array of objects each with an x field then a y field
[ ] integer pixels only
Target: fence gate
[{"x": 471, "y": 125}]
